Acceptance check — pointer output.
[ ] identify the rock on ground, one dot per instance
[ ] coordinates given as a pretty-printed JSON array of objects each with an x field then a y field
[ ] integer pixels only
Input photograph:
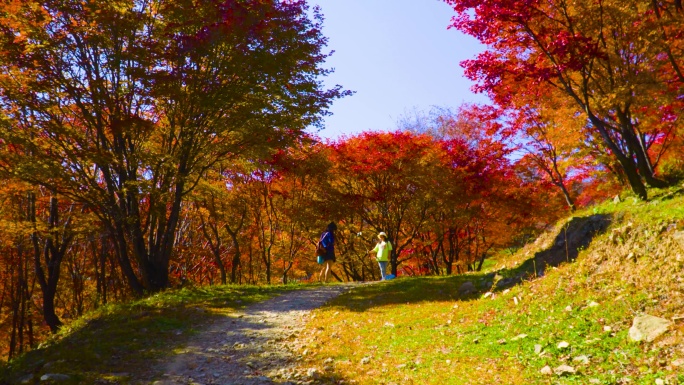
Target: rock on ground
[
  {"x": 54, "y": 377},
  {"x": 564, "y": 369},
  {"x": 466, "y": 288},
  {"x": 647, "y": 327}
]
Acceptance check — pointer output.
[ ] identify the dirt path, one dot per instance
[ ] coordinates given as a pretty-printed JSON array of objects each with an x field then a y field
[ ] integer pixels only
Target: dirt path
[{"x": 254, "y": 348}]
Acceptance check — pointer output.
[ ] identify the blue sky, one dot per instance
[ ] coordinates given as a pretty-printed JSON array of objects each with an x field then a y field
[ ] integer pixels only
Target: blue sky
[{"x": 398, "y": 56}]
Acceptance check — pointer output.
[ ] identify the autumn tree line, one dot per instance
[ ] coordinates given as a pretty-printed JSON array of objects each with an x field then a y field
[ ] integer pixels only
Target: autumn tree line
[{"x": 148, "y": 144}]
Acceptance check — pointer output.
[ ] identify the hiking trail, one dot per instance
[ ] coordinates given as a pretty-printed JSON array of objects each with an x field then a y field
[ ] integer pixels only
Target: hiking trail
[{"x": 256, "y": 346}]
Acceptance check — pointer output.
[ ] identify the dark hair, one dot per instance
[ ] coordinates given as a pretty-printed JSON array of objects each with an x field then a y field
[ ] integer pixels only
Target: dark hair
[{"x": 331, "y": 227}]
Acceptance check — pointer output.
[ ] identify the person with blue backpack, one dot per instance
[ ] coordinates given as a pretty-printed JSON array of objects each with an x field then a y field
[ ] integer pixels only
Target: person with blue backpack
[
  {"x": 382, "y": 250},
  {"x": 327, "y": 255}
]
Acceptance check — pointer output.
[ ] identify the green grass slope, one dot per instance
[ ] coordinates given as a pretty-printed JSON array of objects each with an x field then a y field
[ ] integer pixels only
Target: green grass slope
[{"x": 546, "y": 315}]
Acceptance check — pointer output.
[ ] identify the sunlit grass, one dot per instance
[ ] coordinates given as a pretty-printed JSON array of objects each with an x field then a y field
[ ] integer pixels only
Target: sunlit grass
[
  {"x": 420, "y": 331},
  {"x": 438, "y": 340}
]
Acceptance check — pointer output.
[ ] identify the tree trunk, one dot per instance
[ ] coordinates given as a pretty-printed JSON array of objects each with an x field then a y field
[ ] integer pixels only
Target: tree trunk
[
  {"x": 560, "y": 182},
  {"x": 222, "y": 269},
  {"x": 266, "y": 256},
  {"x": 643, "y": 163},
  {"x": 163, "y": 249},
  {"x": 103, "y": 271},
  {"x": 236, "y": 245},
  {"x": 336, "y": 276},
  {"x": 121, "y": 249},
  {"x": 236, "y": 263},
  {"x": 452, "y": 255},
  {"x": 634, "y": 179},
  {"x": 53, "y": 254},
  {"x": 394, "y": 257},
  {"x": 286, "y": 270},
  {"x": 627, "y": 163},
  {"x": 394, "y": 263},
  {"x": 568, "y": 199},
  {"x": 482, "y": 259},
  {"x": 214, "y": 241},
  {"x": 97, "y": 266}
]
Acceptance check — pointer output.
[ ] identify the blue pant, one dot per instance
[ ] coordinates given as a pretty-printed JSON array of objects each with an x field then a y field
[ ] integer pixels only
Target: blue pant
[{"x": 383, "y": 267}]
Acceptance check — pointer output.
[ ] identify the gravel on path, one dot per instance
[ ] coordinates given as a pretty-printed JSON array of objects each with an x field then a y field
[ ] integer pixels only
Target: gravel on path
[{"x": 255, "y": 347}]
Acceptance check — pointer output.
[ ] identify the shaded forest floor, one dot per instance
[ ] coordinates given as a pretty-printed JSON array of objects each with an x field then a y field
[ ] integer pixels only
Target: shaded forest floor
[
  {"x": 124, "y": 343},
  {"x": 558, "y": 311}
]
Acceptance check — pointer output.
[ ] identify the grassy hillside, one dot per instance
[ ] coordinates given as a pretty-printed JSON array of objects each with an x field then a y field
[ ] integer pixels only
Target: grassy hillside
[
  {"x": 119, "y": 343},
  {"x": 556, "y": 312},
  {"x": 536, "y": 317}
]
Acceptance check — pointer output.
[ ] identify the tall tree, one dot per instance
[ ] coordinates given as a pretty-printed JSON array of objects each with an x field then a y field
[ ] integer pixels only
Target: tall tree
[
  {"x": 297, "y": 191},
  {"x": 603, "y": 55},
  {"x": 48, "y": 257},
  {"x": 123, "y": 105},
  {"x": 552, "y": 143},
  {"x": 385, "y": 176}
]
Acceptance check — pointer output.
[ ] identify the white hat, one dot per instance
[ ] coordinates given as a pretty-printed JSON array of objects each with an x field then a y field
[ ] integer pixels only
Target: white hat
[{"x": 382, "y": 234}]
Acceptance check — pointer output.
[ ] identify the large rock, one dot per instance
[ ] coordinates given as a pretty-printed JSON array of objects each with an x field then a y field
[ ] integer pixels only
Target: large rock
[
  {"x": 466, "y": 288},
  {"x": 647, "y": 327}
]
